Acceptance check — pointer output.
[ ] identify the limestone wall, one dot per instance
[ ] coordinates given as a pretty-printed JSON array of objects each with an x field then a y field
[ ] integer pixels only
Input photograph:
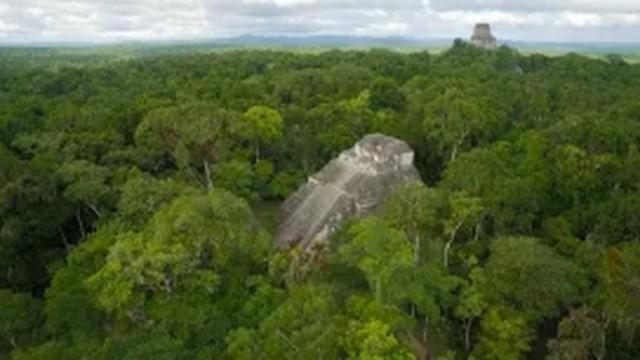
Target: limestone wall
[{"x": 351, "y": 185}]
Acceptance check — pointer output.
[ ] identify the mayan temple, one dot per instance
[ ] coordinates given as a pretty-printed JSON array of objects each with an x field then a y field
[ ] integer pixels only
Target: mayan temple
[
  {"x": 482, "y": 36},
  {"x": 348, "y": 187}
]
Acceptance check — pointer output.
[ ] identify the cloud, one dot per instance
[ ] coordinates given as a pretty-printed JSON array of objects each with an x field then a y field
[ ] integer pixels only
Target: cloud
[
  {"x": 520, "y": 6},
  {"x": 115, "y": 20}
]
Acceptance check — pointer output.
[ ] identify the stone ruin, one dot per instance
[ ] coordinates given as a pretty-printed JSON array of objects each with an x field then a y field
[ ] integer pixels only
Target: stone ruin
[
  {"x": 482, "y": 36},
  {"x": 349, "y": 186}
]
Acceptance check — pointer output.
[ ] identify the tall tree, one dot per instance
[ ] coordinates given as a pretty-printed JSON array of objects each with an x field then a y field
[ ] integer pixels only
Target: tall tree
[
  {"x": 532, "y": 278},
  {"x": 378, "y": 250},
  {"x": 464, "y": 210},
  {"x": 414, "y": 208},
  {"x": 194, "y": 134},
  {"x": 261, "y": 125}
]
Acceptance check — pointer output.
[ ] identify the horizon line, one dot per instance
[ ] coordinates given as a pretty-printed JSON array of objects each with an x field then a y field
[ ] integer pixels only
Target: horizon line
[{"x": 227, "y": 40}]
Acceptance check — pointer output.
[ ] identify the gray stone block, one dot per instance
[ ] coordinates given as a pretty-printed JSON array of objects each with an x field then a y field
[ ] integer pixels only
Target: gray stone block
[{"x": 349, "y": 186}]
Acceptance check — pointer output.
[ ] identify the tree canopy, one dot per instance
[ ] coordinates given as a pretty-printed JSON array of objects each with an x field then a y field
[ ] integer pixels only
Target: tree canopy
[{"x": 138, "y": 198}]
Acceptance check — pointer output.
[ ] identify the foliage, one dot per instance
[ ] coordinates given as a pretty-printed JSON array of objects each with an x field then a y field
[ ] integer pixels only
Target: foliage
[
  {"x": 126, "y": 230},
  {"x": 533, "y": 279},
  {"x": 378, "y": 250},
  {"x": 20, "y": 320},
  {"x": 504, "y": 335}
]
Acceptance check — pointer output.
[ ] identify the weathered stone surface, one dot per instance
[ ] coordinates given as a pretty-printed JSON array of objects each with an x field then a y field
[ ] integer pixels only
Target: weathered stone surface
[
  {"x": 482, "y": 36},
  {"x": 349, "y": 186}
]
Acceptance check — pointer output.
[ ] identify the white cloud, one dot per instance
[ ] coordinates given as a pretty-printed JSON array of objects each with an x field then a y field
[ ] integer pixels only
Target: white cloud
[
  {"x": 6, "y": 27},
  {"x": 579, "y": 19},
  {"x": 113, "y": 20},
  {"x": 584, "y": 6},
  {"x": 279, "y": 2}
]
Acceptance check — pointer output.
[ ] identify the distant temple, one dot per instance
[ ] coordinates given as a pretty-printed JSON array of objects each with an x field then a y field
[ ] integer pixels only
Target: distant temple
[{"x": 482, "y": 36}]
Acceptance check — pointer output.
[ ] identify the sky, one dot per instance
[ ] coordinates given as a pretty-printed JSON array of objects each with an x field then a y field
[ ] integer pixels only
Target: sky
[{"x": 30, "y": 21}]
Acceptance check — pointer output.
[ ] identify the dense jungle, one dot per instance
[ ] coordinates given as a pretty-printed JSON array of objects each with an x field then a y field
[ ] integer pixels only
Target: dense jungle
[{"x": 139, "y": 200}]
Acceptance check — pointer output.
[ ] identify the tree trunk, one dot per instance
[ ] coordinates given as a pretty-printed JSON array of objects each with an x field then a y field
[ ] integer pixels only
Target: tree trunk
[
  {"x": 602, "y": 353},
  {"x": 207, "y": 174},
  {"x": 447, "y": 246},
  {"x": 419, "y": 347},
  {"x": 416, "y": 249},
  {"x": 467, "y": 335},
  {"x": 67, "y": 246},
  {"x": 425, "y": 338},
  {"x": 94, "y": 209},
  {"x": 13, "y": 343},
  {"x": 286, "y": 340},
  {"x": 476, "y": 231},
  {"x": 83, "y": 232},
  {"x": 454, "y": 151},
  {"x": 194, "y": 176}
]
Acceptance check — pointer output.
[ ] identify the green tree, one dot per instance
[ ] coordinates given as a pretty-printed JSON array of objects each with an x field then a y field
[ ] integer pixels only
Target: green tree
[
  {"x": 581, "y": 335},
  {"x": 57, "y": 350},
  {"x": 414, "y": 208},
  {"x": 472, "y": 303},
  {"x": 307, "y": 325},
  {"x": 621, "y": 273},
  {"x": 504, "y": 335},
  {"x": 373, "y": 340},
  {"x": 195, "y": 135},
  {"x": 237, "y": 177},
  {"x": 385, "y": 93},
  {"x": 378, "y": 250},
  {"x": 452, "y": 119},
  {"x": 20, "y": 321},
  {"x": 86, "y": 185},
  {"x": 532, "y": 278},
  {"x": 260, "y": 125},
  {"x": 464, "y": 211},
  {"x": 142, "y": 195},
  {"x": 183, "y": 250}
]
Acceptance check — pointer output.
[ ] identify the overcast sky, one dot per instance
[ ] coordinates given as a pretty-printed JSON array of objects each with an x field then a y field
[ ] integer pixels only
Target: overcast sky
[{"x": 118, "y": 20}]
